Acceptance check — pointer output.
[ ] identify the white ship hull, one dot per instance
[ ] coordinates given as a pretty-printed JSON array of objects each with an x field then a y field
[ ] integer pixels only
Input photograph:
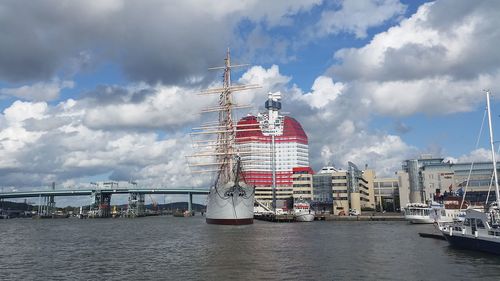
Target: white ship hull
[
  {"x": 230, "y": 209},
  {"x": 420, "y": 219},
  {"x": 304, "y": 217},
  {"x": 423, "y": 214}
]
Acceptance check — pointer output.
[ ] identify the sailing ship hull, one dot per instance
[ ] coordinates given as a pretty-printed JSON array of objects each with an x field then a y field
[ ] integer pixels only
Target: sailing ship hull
[
  {"x": 473, "y": 243},
  {"x": 230, "y": 210}
]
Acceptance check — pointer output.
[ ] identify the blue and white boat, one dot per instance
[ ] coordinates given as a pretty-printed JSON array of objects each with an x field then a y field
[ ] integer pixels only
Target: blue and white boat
[{"x": 479, "y": 231}]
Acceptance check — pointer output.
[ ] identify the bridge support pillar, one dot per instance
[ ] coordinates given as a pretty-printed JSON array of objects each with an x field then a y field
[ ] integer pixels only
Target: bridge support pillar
[
  {"x": 51, "y": 205},
  {"x": 190, "y": 202},
  {"x": 135, "y": 205},
  {"x": 101, "y": 205},
  {"x": 46, "y": 206}
]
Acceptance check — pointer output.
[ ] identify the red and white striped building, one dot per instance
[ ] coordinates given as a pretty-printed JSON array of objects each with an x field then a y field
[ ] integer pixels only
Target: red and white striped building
[{"x": 291, "y": 151}]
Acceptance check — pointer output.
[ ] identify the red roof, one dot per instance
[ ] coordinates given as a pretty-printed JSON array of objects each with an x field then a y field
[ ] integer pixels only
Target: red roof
[
  {"x": 303, "y": 169},
  {"x": 292, "y": 131}
]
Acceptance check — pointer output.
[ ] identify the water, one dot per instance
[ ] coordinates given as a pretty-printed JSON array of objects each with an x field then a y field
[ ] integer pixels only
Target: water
[{"x": 170, "y": 248}]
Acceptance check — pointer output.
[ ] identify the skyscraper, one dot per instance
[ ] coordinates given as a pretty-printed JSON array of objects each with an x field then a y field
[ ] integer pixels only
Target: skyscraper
[{"x": 290, "y": 147}]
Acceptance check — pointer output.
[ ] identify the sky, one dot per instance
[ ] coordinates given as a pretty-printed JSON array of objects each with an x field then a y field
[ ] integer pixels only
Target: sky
[{"x": 106, "y": 90}]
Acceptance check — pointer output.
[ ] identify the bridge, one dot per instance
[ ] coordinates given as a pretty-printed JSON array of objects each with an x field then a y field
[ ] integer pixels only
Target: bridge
[{"x": 101, "y": 197}]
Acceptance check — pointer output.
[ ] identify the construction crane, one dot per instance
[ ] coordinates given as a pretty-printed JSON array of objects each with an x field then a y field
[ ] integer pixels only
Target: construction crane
[{"x": 154, "y": 203}]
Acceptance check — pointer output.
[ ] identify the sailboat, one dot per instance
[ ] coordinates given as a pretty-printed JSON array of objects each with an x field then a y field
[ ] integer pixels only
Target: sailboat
[
  {"x": 479, "y": 230},
  {"x": 230, "y": 200}
]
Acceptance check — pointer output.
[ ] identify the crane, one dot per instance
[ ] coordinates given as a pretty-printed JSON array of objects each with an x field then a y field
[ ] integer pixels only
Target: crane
[{"x": 154, "y": 203}]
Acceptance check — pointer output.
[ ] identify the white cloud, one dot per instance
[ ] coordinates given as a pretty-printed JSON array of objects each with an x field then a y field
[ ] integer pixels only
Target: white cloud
[
  {"x": 346, "y": 128},
  {"x": 324, "y": 90},
  {"x": 161, "y": 107},
  {"x": 20, "y": 111},
  {"x": 477, "y": 155},
  {"x": 356, "y": 16},
  {"x": 270, "y": 80},
  {"x": 430, "y": 62},
  {"x": 383, "y": 153},
  {"x": 442, "y": 95},
  {"x": 189, "y": 40},
  {"x": 40, "y": 91},
  {"x": 40, "y": 143}
]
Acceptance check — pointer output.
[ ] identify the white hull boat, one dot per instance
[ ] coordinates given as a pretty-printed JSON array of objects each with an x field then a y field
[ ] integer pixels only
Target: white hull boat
[
  {"x": 418, "y": 213},
  {"x": 304, "y": 217},
  {"x": 302, "y": 212}
]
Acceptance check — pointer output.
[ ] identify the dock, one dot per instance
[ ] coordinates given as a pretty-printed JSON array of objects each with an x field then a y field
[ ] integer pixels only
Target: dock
[
  {"x": 361, "y": 218},
  {"x": 330, "y": 217},
  {"x": 275, "y": 218},
  {"x": 432, "y": 235}
]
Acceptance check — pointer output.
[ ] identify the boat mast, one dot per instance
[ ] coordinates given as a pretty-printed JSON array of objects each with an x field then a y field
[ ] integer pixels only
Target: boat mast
[{"x": 492, "y": 148}]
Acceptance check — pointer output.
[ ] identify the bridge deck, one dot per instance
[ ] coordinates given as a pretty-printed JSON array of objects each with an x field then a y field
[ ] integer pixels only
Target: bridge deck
[{"x": 82, "y": 192}]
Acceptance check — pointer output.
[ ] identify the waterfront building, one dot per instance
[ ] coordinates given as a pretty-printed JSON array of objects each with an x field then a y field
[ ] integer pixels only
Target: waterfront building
[
  {"x": 336, "y": 190},
  {"x": 386, "y": 192},
  {"x": 291, "y": 150},
  {"x": 421, "y": 179},
  {"x": 323, "y": 191},
  {"x": 302, "y": 183}
]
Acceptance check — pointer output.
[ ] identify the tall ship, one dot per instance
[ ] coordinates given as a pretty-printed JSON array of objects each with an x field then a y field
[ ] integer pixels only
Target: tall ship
[{"x": 231, "y": 199}]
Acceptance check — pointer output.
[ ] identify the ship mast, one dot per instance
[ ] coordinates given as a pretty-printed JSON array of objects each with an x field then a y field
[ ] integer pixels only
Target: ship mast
[
  {"x": 223, "y": 147},
  {"x": 497, "y": 193},
  {"x": 226, "y": 139}
]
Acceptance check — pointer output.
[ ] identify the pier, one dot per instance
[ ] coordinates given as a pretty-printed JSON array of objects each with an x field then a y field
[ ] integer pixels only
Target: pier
[
  {"x": 331, "y": 217},
  {"x": 275, "y": 218},
  {"x": 362, "y": 218}
]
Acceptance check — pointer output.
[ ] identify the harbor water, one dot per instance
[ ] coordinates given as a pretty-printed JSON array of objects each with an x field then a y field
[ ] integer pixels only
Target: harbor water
[{"x": 172, "y": 248}]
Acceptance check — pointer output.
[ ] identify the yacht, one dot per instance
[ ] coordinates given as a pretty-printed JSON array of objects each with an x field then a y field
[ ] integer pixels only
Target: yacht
[{"x": 479, "y": 231}]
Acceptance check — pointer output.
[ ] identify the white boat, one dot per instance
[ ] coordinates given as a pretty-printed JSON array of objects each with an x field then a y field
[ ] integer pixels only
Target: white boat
[
  {"x": 231, "y": 200},
  {"x": 419, "y": 213},
  {"x": 302, "y": 212},
  {"x": 479, "y": 231}
]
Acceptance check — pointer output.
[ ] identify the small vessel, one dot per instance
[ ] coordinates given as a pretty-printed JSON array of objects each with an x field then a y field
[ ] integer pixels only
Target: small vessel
[
  {"x": 114, "y": 212},
  {"x": 419, "y": 213},
  {"x": 478, "y": 231},
  {"x": 302, "y": 212},
  {"x": 179, "y": 213},
  {"x": 230, "y": 200},
  {"x": 81, "y": 214}
]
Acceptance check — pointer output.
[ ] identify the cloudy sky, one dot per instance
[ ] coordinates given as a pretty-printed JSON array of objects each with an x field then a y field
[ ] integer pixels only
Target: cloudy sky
[{"x": 95, "y": 90}]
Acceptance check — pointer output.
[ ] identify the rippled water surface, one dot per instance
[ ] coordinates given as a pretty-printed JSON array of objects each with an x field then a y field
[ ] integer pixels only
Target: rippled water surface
[{"x": 170, "y": 248}]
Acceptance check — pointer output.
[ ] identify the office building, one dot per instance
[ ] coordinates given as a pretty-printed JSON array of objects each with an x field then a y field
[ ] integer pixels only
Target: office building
[{"x": 420, "y": 179}]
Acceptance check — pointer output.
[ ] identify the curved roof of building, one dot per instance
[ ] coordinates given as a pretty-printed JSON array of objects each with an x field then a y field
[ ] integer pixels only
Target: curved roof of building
[{"x": 292, "y": 131}]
